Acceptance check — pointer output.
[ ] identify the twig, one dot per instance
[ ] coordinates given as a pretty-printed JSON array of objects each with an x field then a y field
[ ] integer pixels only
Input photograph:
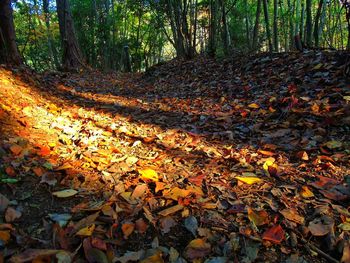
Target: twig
[{"x": 319, "y": 251}]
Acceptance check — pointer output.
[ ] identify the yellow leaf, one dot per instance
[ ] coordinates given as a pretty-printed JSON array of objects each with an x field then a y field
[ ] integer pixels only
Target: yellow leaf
[
  {"x": 269, "y": 162},
  {"x": 149, "y": 174},
  {"x": 306, "y": 192},
  {"x": 86, "y": 231},
  {"x": 248, "y": 180},
  {"x": 65, "y": 193},
  {"x": 254, "y": 106}
]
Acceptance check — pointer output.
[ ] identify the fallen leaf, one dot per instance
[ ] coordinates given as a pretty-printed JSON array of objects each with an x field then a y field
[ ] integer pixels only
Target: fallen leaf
[
  {"x": 334, "y": 144},
  {"x": 65, "y": 193},
  {"x": 166, "y": 223},
  {"x": 86, "y": 231},
  {"x": 4, "y": 202},
  {"x": 248, "y": 179},
  {"x": 141, "y": 226},
  {"x": 171, "y": 210},
  {"x": 197, "y": 248},
  {"x": 139, "y": 191},
  {"x": 12, "y": 214},
  {"x": 191, "y": 225},
  {"x": 149, "y": 174},
  {"x": 5, "y": 236},
  {"x": 274, "y": 234},
  {"x": 32, "y": 254},
  {"x": 128, "y": 229},
  {"x": 292, "y": 215},
  {"x": 259, "y": 218},
  {"x": 16, "y": 149},
  {"x": 306, "y": 192},
  {"x": 156, "y": 258},
  {"x": 321, "y": 226}
]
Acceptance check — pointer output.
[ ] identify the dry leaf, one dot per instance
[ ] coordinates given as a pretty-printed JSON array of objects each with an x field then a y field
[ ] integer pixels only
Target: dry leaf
[
  {"x": 248, "y": 179},
  {"x": 149, "y": 174},
  {"x": 65, "y": 193},
  {"x": 259, "y": 218},
  {"x": 86, "y": 231},
  {"x": 171, "y": 210},
  {"x": 196, "y": 249},
  {"x": 274, "y": 234},
  {"x": 128, "y": 229}
]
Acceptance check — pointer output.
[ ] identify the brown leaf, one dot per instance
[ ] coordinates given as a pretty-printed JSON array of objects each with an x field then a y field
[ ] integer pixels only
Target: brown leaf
[
  {"x": 12, "y": 214},
  {"x": 141, "y": 225},
  {"x": 292, "y": 215},
  {"x": 259, "y": 218},
  {"x": 321, "y": 226},
  {"x": 32, "y": 254},
  {"x": 171, "y": 210},
  {"x": 197, "y": 248},
  {"x": 166, "y": 223}
]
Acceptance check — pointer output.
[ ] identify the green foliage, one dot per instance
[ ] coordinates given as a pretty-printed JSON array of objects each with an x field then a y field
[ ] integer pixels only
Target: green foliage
[{"x": 104, "y": 27}]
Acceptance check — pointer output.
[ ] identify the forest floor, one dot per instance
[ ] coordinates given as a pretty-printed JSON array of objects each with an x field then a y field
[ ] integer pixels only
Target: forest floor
[{"x": 242, "y": 160}]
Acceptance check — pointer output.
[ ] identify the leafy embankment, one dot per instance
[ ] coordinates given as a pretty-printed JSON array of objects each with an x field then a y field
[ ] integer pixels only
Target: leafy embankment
[{"x": 234, "y": 161}]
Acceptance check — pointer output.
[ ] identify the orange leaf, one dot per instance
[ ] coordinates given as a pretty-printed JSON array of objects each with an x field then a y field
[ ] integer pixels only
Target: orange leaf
[
  {"x": 274, "y": 234},
  {"x": 127, "y": 229},
  {"x": 38, "y": 171},
  {"x": 10, "y": 171},
  {"x": 16, "y": 149}
]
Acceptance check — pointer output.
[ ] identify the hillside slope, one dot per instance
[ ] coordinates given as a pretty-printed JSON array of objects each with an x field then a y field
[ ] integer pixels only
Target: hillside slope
[{"x": 246, "y": 160}]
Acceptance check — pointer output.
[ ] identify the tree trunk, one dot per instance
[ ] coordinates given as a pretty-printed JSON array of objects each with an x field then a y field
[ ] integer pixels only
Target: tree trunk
[
  {"x": 51, "y": 48},
  {"x": 256, "y": 25},
  {"x": 212, "y": 28},
  {"x": 267, "y": 23},
  {"x": 224, "y": 34},
  {"x": 308, "y": 23},
  {"x": 72, "y": 58},
  {"x": 8, "y": 48},
  {"x": 317, "y": 21},
  {"x": 275, "y": 29}
]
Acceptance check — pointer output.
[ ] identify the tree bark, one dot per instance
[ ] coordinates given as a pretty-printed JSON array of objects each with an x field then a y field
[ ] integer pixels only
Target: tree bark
[
  {"x": 8, "y": 48},
  {"x": 72, "y": 58},
  {"x": 275, "y": 29},
  {"x": 308, "y": 23},
  {"x": 317, "y": 21},
  {"x": 267, "y": 23},
  {"x": 256, "y": 25},
  {"x": 51, "y": 48},
  {"x": 212, "y": 28}
]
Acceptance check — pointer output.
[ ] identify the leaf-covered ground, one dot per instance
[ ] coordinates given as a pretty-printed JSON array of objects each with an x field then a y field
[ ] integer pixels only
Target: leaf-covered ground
[{"x": 243, "y": 160}]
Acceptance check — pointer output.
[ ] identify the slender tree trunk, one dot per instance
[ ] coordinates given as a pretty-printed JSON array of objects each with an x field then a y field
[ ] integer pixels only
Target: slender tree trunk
[
  {"x": 8, "y": 48},
  {"x": 308, "y": 23},
  {"x": 247, "y": 31},
  {"x": 52, "y": 50},
  {"x": 224, "y": 33},
  {"x": 275, "y": 22},
  {"x": 72, "y": 57},
  {"x": 213, "y": 28},
  {"x": 267, "y": 23},
  {"x": 317, "y": 21},
  {"x": 195, "y": 28},
  {"x": 256, "y": 25}
]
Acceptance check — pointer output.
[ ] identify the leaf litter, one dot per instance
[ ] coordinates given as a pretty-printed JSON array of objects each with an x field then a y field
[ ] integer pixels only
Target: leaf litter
[{"x": 200, "y": 161}]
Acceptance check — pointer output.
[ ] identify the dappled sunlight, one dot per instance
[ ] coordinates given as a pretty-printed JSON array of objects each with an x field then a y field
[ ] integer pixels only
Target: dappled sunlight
[{"x": 121, "y": 163}]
